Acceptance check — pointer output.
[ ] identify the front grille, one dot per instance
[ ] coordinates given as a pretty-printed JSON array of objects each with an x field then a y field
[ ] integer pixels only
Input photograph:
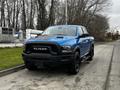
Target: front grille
[{"x": 42, "y": 48}]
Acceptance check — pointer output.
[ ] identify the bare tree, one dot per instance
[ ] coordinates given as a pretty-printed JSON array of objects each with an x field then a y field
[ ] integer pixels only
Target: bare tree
[
  {"x": 41, "y": 20},
  {"x": 23, "y": 27},
  {"x": 18, "y": 6},
  {"x": 98, "y": 27},
  {"x": 51, "y": 14},
  {"x": 22, "y": 14},
  {"x": 2, "y": 14}
]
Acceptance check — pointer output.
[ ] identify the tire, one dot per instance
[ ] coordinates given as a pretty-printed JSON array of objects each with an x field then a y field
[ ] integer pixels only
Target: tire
[
  {"x": 75, "y": 65},
  {"x": 30, "y": 66},
  {"x": 91, "y": 54}
]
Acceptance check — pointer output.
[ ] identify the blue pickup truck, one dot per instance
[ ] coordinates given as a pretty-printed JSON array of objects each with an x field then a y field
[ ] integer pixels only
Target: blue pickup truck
[{"x": 61, "y": 45}]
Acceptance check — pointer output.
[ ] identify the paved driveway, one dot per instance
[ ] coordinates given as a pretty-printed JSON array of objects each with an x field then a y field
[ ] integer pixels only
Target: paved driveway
[{"x": 103, "y": 73}]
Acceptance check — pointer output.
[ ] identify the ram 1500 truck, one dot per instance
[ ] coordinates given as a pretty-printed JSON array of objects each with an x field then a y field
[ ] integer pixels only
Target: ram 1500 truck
[{"x": 57, "y": 45}]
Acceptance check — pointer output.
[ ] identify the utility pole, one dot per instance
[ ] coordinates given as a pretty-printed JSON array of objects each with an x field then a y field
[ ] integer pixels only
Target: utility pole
[{"x": 66, "y": 12}]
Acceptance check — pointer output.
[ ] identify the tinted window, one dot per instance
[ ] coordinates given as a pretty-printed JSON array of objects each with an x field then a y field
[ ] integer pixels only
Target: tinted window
[
  {"x": 61, "y": 30},
  {"x": 80, "y": 31}
]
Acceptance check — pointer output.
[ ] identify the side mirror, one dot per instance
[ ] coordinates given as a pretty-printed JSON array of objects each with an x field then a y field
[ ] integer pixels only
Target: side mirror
[{"x": 78, "y": 36}]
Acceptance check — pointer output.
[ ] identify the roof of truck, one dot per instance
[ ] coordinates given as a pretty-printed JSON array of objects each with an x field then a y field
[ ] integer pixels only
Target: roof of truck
[{"x": 68, "y": 25}]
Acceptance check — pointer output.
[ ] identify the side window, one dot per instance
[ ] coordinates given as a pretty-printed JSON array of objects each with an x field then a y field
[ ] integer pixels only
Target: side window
[
  {"x": 80, "y": 31},
  {"x": 85, "y": 30}
]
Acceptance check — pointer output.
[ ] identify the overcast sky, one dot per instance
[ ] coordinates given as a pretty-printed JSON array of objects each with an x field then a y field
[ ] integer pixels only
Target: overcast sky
[{"x": 114, "y": 13}]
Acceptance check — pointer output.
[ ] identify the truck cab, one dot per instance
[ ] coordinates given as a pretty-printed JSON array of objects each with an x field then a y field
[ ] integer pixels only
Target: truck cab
[{"x": 57, "y": 45}]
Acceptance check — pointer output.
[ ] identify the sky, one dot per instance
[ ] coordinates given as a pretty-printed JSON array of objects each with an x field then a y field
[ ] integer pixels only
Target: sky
[{"x": 114, "y": 14}]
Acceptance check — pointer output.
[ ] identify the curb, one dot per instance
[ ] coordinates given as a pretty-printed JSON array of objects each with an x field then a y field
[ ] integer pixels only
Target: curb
[{"x": 11, "y": 70}]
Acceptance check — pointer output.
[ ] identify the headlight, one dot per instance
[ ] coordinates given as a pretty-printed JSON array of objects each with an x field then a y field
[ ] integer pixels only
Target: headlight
[{"x": 66, "y": 49}]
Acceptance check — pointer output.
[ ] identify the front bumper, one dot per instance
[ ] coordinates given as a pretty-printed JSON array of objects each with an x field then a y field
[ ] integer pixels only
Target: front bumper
[{"x": 35, "y": 58}]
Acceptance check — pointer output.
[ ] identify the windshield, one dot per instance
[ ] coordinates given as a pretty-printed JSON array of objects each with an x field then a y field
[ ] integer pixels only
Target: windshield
[{"x": 61, "y": 30}]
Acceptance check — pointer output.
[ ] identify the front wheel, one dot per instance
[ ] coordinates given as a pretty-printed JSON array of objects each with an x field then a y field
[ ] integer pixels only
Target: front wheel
[{"x": 75, "y": 65}]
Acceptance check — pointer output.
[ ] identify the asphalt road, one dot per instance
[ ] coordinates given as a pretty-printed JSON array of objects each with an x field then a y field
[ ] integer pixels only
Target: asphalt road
[{"x": 103, "y": 73}]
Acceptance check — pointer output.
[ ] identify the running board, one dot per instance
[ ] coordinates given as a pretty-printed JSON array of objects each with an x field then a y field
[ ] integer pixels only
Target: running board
[{"x": 84, "y": 59}]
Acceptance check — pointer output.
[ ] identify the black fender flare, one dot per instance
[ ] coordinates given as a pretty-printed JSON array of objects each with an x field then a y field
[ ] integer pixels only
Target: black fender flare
[{"x": 77, "y": 48}]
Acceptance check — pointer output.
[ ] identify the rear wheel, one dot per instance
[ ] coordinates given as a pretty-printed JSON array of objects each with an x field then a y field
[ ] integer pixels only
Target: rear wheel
[{"x": 75, "y": 65}]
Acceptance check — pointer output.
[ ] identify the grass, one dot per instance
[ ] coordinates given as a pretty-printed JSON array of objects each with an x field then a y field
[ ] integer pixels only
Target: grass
[{"x": 10, "y": 57}]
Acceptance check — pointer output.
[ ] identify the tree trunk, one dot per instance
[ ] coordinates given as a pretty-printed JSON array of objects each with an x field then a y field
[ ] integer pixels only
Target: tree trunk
[
  {"x": 41, "y": 21},
  {"x": 13, "y": 22},
  {"x": 51, "y": 15},
  {"x": 2, "y": 13},
  {"x": 23, "y": 19},
  {"x": 17, "y": 13}
]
